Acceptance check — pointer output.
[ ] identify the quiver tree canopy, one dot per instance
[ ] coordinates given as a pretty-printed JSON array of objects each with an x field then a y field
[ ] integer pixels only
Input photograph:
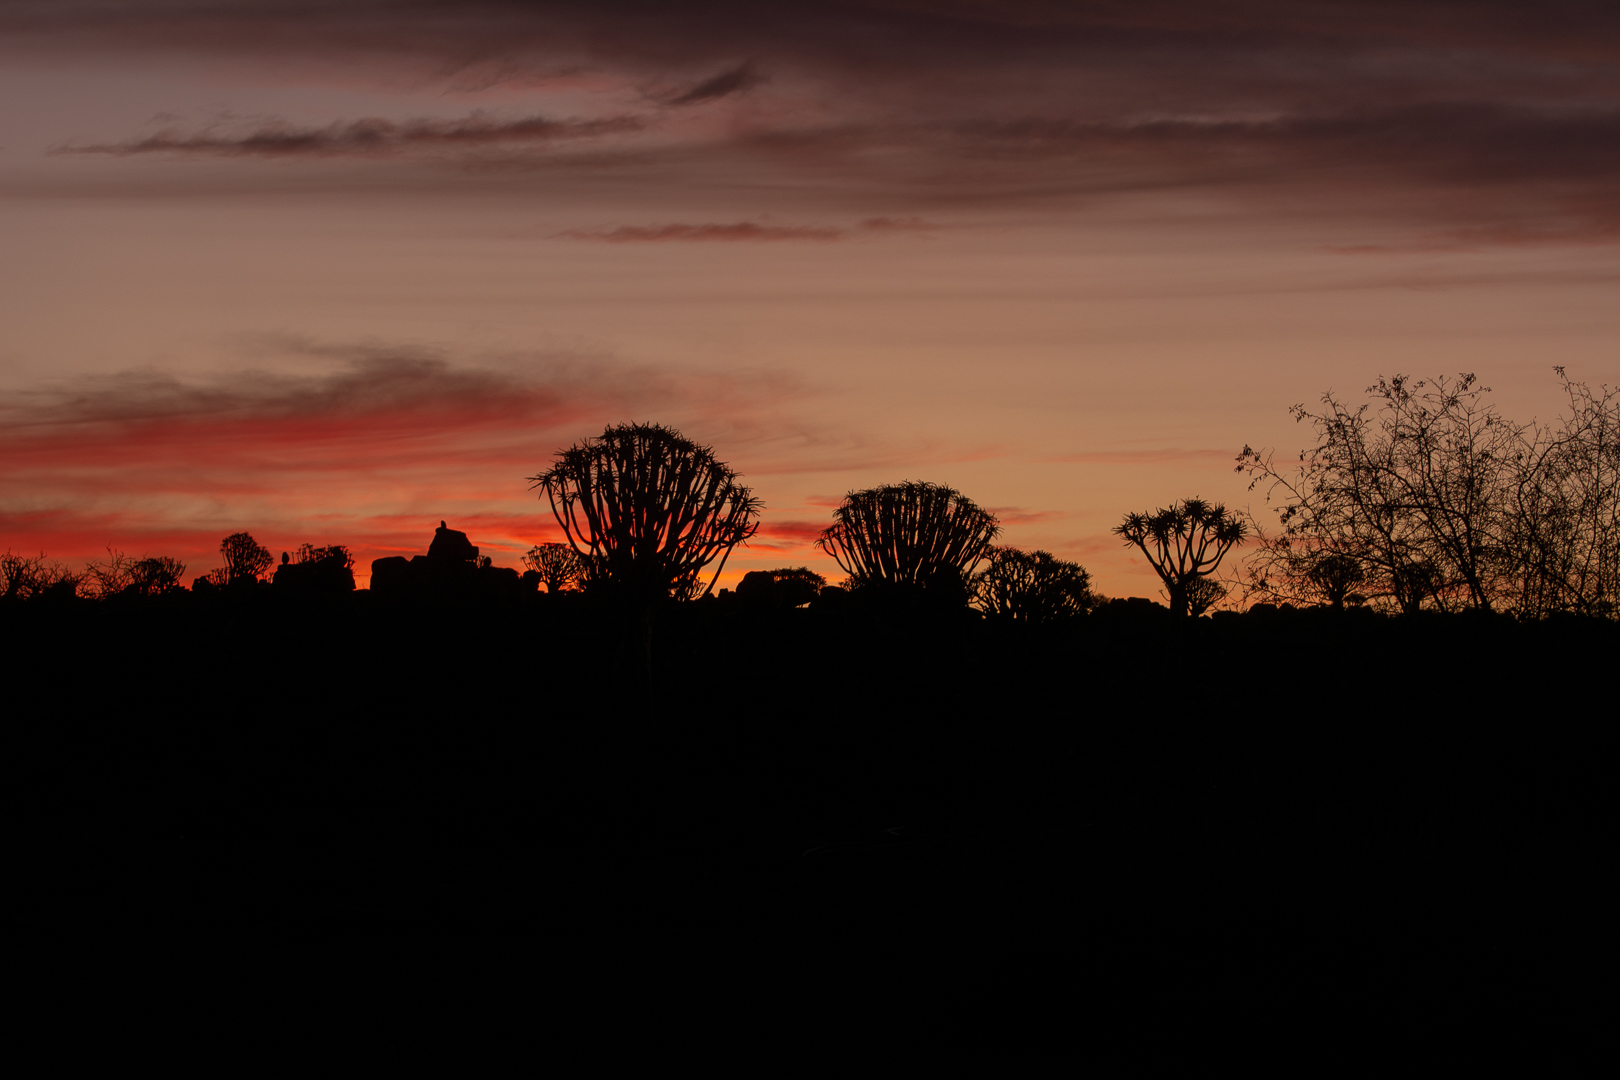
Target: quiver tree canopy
[
  {"x": 1183, "y": 543},
  {"x": 558, "y": 566},
  {"x": 907, "y": 533},
  {"x": 1032, "y": 587},
  {"x": 648, "y": 509}
]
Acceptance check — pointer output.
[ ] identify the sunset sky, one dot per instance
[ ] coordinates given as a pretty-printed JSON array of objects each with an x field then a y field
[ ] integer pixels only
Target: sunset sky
[{"x": 332, "y": 272}]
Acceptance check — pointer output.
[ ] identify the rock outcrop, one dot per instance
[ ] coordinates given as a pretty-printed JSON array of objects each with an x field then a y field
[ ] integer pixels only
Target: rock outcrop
[{"x": 450, "y": 568}]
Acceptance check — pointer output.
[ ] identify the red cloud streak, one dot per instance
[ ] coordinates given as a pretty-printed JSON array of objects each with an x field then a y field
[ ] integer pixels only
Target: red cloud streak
[{"x": 371, "y": 456}]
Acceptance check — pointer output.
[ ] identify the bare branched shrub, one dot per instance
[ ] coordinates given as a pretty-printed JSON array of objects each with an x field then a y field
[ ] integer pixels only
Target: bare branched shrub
[
  {"x": 121, "y": 575},
  {"x": 1426, "y": 497},
  {"x": 909, "y": 533},
  {"x": 1032, "y": 587},
  {"x": 33, "y": 577},
  {"x": 647, "y": 510},
  {"x": 1564, "y": 527},
  {"x": 559, "y": 566},
  {"x": 1184, "y": 544}
]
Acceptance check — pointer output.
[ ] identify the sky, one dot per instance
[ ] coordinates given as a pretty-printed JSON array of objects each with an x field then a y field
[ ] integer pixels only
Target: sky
[{"x": 332, "y": 272}]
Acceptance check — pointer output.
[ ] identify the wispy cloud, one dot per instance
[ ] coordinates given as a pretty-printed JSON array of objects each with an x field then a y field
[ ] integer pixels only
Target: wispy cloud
[
  {"x": 1015, "y": 515},
  {"x": 1142, "y": 457},
  {"x": 371, "y": 137},
  {"x": 725, "y": 84},
  {"x": 742, "y": 230},
  {"x": 1458, "y": 116}
]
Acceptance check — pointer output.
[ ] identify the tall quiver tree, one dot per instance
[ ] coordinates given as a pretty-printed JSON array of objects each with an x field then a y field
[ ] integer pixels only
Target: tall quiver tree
[
  {"x": 908, "y": 534},
  {"x": 647, "y": 510},
  {"x": 1183, "y": 544}
]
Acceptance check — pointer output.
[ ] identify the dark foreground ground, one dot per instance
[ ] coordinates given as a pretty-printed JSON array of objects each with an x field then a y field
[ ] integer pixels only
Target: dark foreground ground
[{"x": 219, "y": 792}]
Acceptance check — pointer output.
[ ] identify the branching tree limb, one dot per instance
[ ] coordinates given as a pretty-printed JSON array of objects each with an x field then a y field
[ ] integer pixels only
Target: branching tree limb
[{"x": 1425, "y": 496}]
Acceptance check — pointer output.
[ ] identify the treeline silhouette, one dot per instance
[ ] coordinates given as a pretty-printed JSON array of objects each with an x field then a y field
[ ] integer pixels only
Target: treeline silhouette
[
  {"x": 960, "y": 759},
  {"x": 1425, "y": 498}
]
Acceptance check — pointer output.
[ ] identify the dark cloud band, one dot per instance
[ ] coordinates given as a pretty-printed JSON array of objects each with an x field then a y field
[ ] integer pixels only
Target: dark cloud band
[{"x": 369, "y": 136}]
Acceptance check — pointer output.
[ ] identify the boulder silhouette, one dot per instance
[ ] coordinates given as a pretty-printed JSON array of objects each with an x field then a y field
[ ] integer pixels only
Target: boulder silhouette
[
  {"x": 390, "y": 575},
  {"x": 451, "y": 568},
  {"x": 449, "y": 546}
]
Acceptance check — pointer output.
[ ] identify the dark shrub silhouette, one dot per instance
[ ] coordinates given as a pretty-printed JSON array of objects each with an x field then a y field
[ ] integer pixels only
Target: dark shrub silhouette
[
  {"x": 1032, "y": 587},
  {"x": 1183, "y": 543},
  {"x": 912, "y": 535},
  {"x": 316, "y": 570},
  {"x": 1332, "y": 576},
  {"x": 122, "y": 576},
  {"x": 31, "y": 577},
  {"x": 557, "y": 566},
  {"x": 784, "y": 588},
  {"x": 647, "y": 510}
]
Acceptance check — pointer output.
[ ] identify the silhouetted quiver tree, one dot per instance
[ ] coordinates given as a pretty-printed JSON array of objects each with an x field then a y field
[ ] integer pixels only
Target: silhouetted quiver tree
[
  {"x": 1032, "y": 587},
  {"x": 558, "y": 566},
  {"x": 908, "y": 534},
  {"x": 1438, "y": 500},
  {"x": 647, "y": 510},
  {"x": 1183, "y": 543}
]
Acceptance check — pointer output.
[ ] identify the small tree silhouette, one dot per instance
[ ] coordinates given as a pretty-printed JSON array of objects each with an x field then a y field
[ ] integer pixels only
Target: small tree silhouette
[
  {"x": 1202, "y": 594},
  {"x": 558, "y": 565},
  {"x": 1032, "y": 587},
  {"x": 121, "y": 575},
  {"x": 911, "y": 533},
  {"x": 245, "y": 559},
  {"x": 647, "y": 509},
  {"x": 27, "y": 577},
  {"x": 1183, "y": 543},
  {"x": 1333, "y": 576}
]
